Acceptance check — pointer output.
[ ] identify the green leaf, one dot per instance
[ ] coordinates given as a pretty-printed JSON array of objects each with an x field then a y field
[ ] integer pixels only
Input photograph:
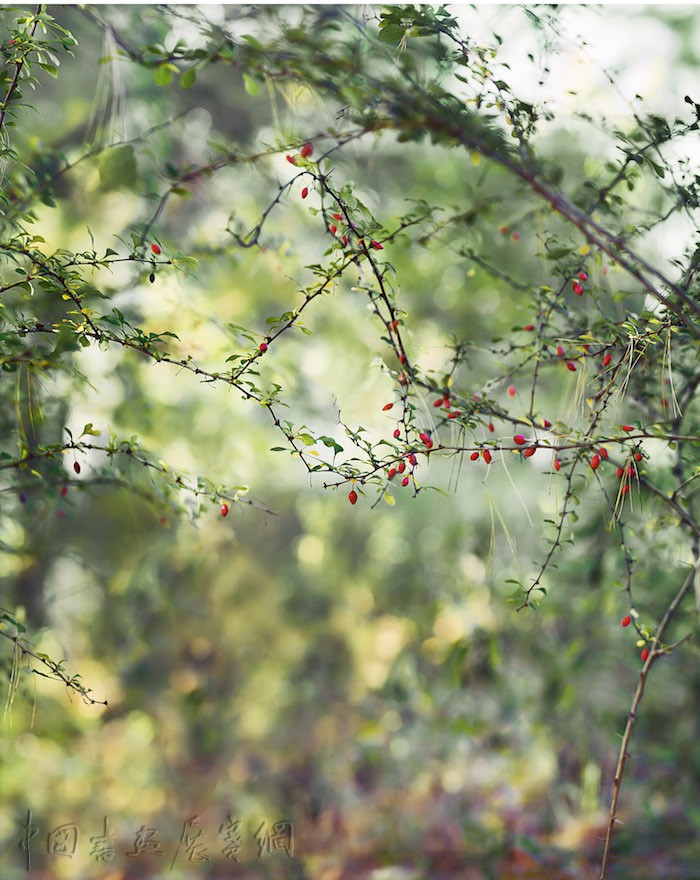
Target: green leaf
[
  {"x": 307, "y": 439},
  {"x": 252, "y": 86},
  {"x": 188, "y": 78},
  {"x": 163, "y": 74},
  {"x": 90, "y": 431}
]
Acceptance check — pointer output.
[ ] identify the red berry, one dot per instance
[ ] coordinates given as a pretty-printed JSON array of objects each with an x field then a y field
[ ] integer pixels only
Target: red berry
[
  {"x": 630, "y": 471},
  {"x": 305, "y": 192},
  {"x": 557, "y": 464},
  {"x": 603, "y": 452},
  {"x": 503, "y": 230},
  {"x": 628, "y": 428},
  {"x": 474, "y": 456},
  {"x": 626, "y": 621},
  {"x": 529, "y": 327},
  {"x": 76, "y": 467},
  {"x": 586, "y": 346},
  {"x": 570, "y": 365},
  {"x": 644, "y": 655},
  {"x": 405, "y": 481},
  {"x": 290, "y": 159},
  {"x": 519, "y": 439},
  {"x": 595, "y": 461},
  {"x": 397, "y": 433},
  {"x": 377, "y": 246},
  {"x": 577, "y": 289},
  {"x": 352, "y": 496},
  {"x": 394, "y": 324},
  {"x": 531, "y": 450},
  {"x": 438, "y": 402},
  {"x": 426, "y": 440},
  {"x": 156, "y": 248},
  {"x": 64, "y": 491},
  {"x": 391, "y": 473},
  {"x": 337, "y": 216},
  {"x": 583, "y": 276},
  {"x": 511, "y": 391},
  {"x": 625, "y": 489},
  {"x": 402, "y": 466},
  {"x": 333, "y": 228},
  {"x": 607, "y": 359},
  {"x": 546, "y": 423},
  {"x": 412, "y": 459},
  {"x": 515, "y": 236},
  {"x": 454, "y": 415},
  {"x": 638, "y": 456},
  {"x": 224, "y": 509},
  {"x": 619, "y": 473},
  {"x": 263, "y": 347},
  {"x": 306, "y": 150},
  {"x": 491, "y": 427},
  {"x": 387, "y": 406},
  {"x": 560, "y": 351},
  {"x": 486, "y": 455}
]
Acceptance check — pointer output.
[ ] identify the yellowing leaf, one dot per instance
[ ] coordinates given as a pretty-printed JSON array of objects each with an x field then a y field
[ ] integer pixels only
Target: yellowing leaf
[{"x": 584, "y": 250}]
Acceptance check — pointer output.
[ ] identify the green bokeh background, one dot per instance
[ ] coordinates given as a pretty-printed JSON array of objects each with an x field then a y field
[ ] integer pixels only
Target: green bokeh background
[{"x": 356, "y": 670}]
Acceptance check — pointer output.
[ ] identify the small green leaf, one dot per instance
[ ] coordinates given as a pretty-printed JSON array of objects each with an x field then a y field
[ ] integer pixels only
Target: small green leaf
[
  {"x": 252, "y": 86},
  {"x": 188, "y": 78},
  {"x": 307, "y": 439},
  {"x": 163, "y": 74}
]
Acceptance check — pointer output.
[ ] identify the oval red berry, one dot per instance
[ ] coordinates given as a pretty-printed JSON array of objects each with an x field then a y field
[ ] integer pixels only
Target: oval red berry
[
  {"x": 557, "y": 464},
  {"x": 491, "y": 427},
  {"x": 305, "y": 192},
  {"x": 570, "y": 365},
  {"x": 263, "y": 347},
  {"x": 306, "y": 150},
  {"x": 402, "y": 466},
  {"x": 405, "y": 481},
  {"x": 397, "y": 433},
  {"x": 76, "y": 467},
  {"x": 474, "y": 456},
  {"x": 486, "y": 455},
  {"x": 626, "y": 621},
  {"x": 607, "y": 359},
  {"x": 391, "y": 473},
  {"x": 519, "y": 439},
  {"x": 577, "y": 289},
  {"x": 352, "y": 496},
  {"x": 531, "y": 450},
  {"x": 387, "y": 406},
  {"x": 156, "y": 248},
  {"x": 512, "y": 391},
  {"x": 560, "y": 351},
  {"x": 529, "y": 327},
  {"x": 595, "y": 461},
  {"x": 628, "y": 428},
  {"x": 224, "y": 509},
  {"x": 644, "y": 655},
  {"x": 583, "y": 276},
  {"x": 426, "y": 440},
  {"x": 603, "y": 452},
  {"x": 619, "y": 473}
]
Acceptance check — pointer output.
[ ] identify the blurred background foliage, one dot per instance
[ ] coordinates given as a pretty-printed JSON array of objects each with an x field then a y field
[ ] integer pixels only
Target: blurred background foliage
[{"x": 356, "y": 670}]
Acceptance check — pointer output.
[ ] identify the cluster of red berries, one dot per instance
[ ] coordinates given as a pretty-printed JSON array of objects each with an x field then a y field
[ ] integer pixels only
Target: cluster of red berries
[{"x": 576, "y": 286}]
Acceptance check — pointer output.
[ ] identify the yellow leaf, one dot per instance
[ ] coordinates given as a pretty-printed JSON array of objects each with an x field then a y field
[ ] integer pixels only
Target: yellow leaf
[
  {"x": 584, "y": 250},
  {"x": 390, "y": 500}
]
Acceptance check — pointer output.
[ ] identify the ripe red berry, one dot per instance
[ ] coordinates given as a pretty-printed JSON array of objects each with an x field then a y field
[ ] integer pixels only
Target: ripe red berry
[
  {"x": 64, "y": 491},
  {"x": 511, "y": 391},
  {"x": 486, "y": 455},
  {"x": 474, "y": 456},
  {"x": 397, "y": 433},
  {"x": 560, "y": 351},
  {"x": 263, "y": 347},
  {"x": 352, "y": 496},
  {"x": 439, "y": 401},
  {"x": 402, "y": 358},
  {"x": 454, "y": 415},
  {"x": 583, "y": 276},
  {"x": 546, "y": 423},
  {"x": 377, "y": 246},
  {"x": 595, "y": 461},
  {"x": 644, "y": 655},
  {"x": 519, "y": 439},
  {"x": 306, "y": 150},
  {"x": 391, "y": 473},
  {"x": 305, "y": 192},
  {"x": 76, "y": 467},
  {"x": 529, "y": 327},
  {"x": 345, "y": 241},
  {"x": 628, "y": 428},
  {"x": 387, "y": 406},
  {"x": 156, "y": 248},
  {"x": 290, "y": 159},
  {"x": 607, "y": 359},
  {"x": 570, "y": 365},
  {"x": 557, "y": 464},
  {"x": 638, "y": 456},
  {"x": 603, "y": 452},
  {"x": 394, "y": 324},
  {"x": 405, "y": 481},
  {"x": 224, "y": 509},
  {"x": 626, "y": 621},
  {"x": 531, "y": 450},
  {"x": 625, "y": 489},
  {"x": 577, "y": 288},
  {"x": 630, "y": 470},
  {"x": 426, "y": 440},
  {"x": 402, "y": 467},
  {"x": 337, "y": 216},
  {"x": 412, "y": 459},
  {"x": 333, "y": 228},
  {"x": 619, "y": 473}
]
